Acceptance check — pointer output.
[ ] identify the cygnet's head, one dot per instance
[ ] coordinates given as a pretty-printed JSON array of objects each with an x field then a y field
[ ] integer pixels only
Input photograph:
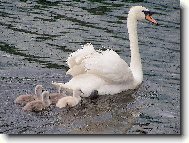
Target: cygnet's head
[
  {"x": 141, "y": 13},
  {"x": 77, "y": 92},
  {"x": 38, "y": 89},
  {"x": 46, "y": 99}
]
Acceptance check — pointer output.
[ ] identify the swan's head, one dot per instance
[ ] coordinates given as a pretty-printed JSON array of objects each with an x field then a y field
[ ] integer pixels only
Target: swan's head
[{"x": 141, "y": 13}]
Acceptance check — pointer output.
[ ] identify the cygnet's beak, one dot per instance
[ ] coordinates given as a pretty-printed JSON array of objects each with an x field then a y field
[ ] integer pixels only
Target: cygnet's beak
[{"x": 151, "y": 19}]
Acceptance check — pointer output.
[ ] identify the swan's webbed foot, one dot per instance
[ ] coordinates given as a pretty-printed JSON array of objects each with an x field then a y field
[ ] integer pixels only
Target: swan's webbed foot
[{"x": 94, "y": 95}]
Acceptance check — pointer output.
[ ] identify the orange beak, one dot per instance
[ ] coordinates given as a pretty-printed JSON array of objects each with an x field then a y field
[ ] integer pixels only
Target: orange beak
[{"x": 150, "y": 18}]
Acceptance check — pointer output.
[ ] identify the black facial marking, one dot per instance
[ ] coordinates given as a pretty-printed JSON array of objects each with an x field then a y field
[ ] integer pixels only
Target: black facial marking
[
  {"x": 81, "y": 91},
  {"x": 148, "y": 12}
]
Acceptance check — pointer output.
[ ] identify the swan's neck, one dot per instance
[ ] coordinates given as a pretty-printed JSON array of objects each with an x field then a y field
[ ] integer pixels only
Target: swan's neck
[{"x": 135, "y": 65}]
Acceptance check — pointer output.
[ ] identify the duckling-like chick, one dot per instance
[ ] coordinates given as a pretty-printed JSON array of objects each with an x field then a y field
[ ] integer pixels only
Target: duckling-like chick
[
  {"x": 38, "y": 105},
  {"x": 54, "y": 97},
  {"x": 24, "y": 99},
  {"x": 70, "y": 100},
  {"x": 57, "y": 86},
  {"x": 60, "y": 86}
]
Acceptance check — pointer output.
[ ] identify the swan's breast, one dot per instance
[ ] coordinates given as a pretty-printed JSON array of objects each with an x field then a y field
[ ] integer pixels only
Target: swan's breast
[{"x": 86, "y": 82}]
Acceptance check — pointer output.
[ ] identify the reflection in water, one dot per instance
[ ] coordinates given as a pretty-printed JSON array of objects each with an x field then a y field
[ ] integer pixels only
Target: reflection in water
[{"x": 106, "y": 114}]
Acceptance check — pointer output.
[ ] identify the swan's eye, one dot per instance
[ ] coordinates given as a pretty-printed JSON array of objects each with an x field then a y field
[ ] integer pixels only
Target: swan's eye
[
  {"x": 148, "y": 12},
  {"x": 81, "y": 91}
]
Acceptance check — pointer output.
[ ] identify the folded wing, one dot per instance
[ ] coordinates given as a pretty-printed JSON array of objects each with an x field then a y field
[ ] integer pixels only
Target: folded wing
[{"x": 106, "y": 64}]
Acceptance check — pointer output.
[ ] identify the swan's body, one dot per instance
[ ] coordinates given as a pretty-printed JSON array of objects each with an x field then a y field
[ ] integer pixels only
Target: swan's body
[
  {"x": 71, "y": 101},
  {"x": 105, "y": 71},
  {"x": 24, "y": 99},
  {"x": 38, "y": 105}
]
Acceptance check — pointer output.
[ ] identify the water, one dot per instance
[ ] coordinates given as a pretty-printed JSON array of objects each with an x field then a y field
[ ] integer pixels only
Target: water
[{"x": 36, "y": 39}]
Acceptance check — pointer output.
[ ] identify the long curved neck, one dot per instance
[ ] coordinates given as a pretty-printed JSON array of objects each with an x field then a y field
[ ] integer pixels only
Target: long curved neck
[{"x": 135, "y": 65}]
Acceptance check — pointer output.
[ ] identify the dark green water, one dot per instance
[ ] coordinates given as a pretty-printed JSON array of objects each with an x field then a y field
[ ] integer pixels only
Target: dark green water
[{"x": 36, "y": 39}]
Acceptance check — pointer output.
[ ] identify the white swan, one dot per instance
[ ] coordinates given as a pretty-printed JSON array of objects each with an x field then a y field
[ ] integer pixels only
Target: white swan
[
  {"x": 70, "y": 100},
  {"x": 105, "y": 71}
]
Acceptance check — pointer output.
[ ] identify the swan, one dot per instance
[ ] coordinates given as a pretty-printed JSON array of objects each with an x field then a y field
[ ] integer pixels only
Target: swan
[
  {"x": 38, "y": 105},
  {"x": 105, "y": 71},
  {"x": 24, "y": 99},
  {"x": 71, "y": 101}
]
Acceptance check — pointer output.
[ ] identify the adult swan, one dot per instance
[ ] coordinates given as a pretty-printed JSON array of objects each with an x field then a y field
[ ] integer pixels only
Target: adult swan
[{"x": 105, "y": 71}]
